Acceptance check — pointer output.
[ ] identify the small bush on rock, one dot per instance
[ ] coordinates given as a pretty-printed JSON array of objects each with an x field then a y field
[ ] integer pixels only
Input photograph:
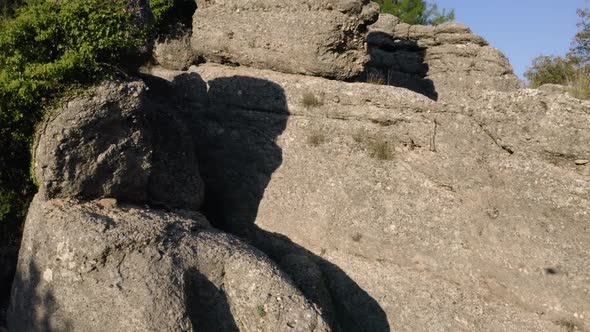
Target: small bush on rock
[
  {"x": 310, "y": 100},
  {"x": 316, "y": 137}
]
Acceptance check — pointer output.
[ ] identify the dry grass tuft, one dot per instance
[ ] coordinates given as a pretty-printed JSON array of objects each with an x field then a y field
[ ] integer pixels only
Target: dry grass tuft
[
  {"x": 579, "y": 86},
  {"x": 310, "y": 100},
  {"x": 377, "y": 79},
  {"x": 316, "y": 137},
  {"x": 376, "y": 144}
]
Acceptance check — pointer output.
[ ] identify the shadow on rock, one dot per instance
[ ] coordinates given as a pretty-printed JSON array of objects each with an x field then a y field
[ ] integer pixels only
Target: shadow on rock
[
  {"x": 398, "y": 62},
  {"x": 39, "y": 308},
  {"x": 207, "y": 305},
  {"x": 235, "y": 126}
]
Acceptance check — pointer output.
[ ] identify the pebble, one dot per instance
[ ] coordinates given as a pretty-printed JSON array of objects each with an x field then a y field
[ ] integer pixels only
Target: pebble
[
  {"x": 108, "y": 202},
  {"x": 581, "y": 162}
]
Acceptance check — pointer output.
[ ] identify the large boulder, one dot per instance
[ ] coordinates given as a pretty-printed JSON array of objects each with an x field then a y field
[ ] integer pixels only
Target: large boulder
[
  {"x": 113, "y": 241},
  {"x": 174, "y": 52},
  {"x": 468, "y": 214},
  {"x": 312, "y": 37},
  {"x": 112, "y": 142},
  {"x": 99, "y": 266}
]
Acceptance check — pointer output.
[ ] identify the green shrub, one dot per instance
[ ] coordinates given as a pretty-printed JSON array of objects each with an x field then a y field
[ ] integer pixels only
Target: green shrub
[
  {"x": 550, "y": 69},
  {"x": 172, "y": 15},
  {"x": 160, "y": 8},
  {"x": 48, "y": 49}
]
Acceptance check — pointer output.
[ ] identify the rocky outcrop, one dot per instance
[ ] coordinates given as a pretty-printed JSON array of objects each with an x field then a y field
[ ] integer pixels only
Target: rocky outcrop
[
  {"x": 99, "y": 266},
  {"x": 434, "y": 59},
  {"x": 468, "y": 214},
  {"x": 113, "y": 240},
  {"x": 312, "y": 37},
  {"x": 107, "y": 144}
]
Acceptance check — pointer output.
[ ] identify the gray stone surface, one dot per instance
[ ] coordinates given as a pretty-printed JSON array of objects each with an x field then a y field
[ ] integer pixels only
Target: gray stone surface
[
  {"x": 452, "y": 58},
  {"x": 113, "y": 242},
  {"x": 464, "y": 214},
  {"x": 112, "y": 142},
  {"x": 91, "y": 267},
  {"x": 174, "y": 53},
  {"x": 321, "y": 38}
]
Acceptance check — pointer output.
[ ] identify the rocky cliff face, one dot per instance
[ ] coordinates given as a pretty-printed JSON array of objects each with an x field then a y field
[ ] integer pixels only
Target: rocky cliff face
[
  {"x": 225, "y": 199},
  {"x": 421, "y": 215}
]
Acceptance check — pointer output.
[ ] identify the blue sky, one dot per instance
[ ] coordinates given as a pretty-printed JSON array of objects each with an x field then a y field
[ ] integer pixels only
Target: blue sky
[{"x": 522, "y": 29}]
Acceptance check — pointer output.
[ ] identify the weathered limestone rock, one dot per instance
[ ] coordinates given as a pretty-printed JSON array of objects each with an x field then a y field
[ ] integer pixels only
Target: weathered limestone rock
[
  {"x": 468, "y": 214},
  {"x": 112, "y": 143},
  {"x": 95, "y": 257},
  {"x": 312, "y": 37},
  {"x": 86, "y": 267},
  {"x": 174, "y": 53},
  {"x": 553, "y": 88},
  {"x": 451, "y": 57}
]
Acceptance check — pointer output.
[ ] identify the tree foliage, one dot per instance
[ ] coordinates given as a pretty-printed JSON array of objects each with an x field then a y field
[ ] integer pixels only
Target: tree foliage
[
  {"x": 49, "y": 48},
  {"x": 581, "y": 43},
  {"x": 550, "y": 69},
  {"x": 416, "y": 11},
  {"x": 168, "y": 13},
  {"x": 572, "y": 70}
]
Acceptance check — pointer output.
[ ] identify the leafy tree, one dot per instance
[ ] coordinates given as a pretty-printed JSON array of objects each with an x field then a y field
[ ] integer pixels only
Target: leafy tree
[
  {"x": 48, "y": 49},
  {"x": 581, "y": 43},
  {"x": 572, "y": 70},
  {"x": 416, "y": 11}
]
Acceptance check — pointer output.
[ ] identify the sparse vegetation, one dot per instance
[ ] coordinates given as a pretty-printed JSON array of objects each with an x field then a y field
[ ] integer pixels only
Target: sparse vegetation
[
  {"x": 316, "y": 137},
  {"x": 49, "y": 49},
  {"x": 356, "y": 237},
  {"x": 568, "y": 325},
  {"x": 550, "y": 70},
  {"x": 579, "y": 86},
  {"x": 360, "y": 135},
  {"x": 573, "y": 70},
  {"x": 374, "y": 78},
  {"x": 310, "y": 100},
  {"x": 379, "y": 148},
  {"x": 260, "y": 311},
  {"x": 376, "y": 144}
]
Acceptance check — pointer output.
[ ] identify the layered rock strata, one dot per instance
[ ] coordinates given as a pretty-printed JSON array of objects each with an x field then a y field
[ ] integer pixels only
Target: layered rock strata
[
  {"x": 320, "y": 38},
  {"x": 435, "y": 59},
  {"x": 469, "y": 214}
]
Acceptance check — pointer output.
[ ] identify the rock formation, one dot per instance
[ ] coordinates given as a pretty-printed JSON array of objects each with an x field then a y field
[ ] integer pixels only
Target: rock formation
[
  {"x": 312, "y": 37},
  {"x": 431, "y": 60},
  {"x": 468, "y": 214},
  {"x": 95, "y": 257},
  {"x": 223, "y": 199}
]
